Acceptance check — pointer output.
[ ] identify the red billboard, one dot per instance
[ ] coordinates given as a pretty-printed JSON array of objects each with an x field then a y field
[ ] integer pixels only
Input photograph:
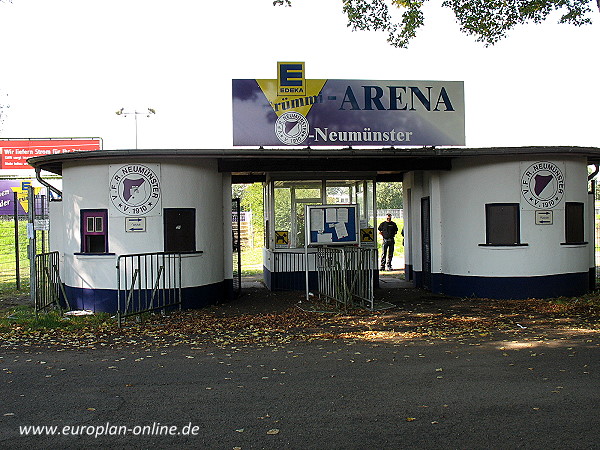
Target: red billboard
[{"x": 15, "y": 152}]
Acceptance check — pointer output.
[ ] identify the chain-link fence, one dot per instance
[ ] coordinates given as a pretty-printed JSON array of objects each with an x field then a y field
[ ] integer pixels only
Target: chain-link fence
[{"x": 14, "y": 241}]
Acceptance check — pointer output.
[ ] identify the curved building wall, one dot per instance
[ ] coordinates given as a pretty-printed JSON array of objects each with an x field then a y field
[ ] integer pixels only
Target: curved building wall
[
  {"x": 91, "y": 279},
  {"x": 464, "y": 264}
]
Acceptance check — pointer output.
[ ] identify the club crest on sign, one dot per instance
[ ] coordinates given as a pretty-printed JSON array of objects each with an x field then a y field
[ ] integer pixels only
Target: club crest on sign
[
  {"x": 135, "y": 189},
  {"x": 543, "y": 185}
]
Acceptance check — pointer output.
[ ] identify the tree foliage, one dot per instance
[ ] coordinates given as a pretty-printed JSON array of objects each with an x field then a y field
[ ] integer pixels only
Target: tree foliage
[
  {"x": 389, "y": 195},
  {"x": 3, "y": 107},
  {"x": 251, "y": 199},
  {"x": 487, "y": 20}
]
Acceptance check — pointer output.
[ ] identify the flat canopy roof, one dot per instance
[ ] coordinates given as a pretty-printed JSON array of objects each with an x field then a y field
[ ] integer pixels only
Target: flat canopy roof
[{"x": 248, "y": 165}]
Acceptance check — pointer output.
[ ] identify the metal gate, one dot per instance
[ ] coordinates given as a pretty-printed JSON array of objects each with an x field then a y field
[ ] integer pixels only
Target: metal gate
[
  {"x": 148, "y": 282},
  {"x": 236, "y": 234},
  {"x": 45, "y": 285},
  {"x": 48, "y": 285},
  {"x": 347, "y": 275}
]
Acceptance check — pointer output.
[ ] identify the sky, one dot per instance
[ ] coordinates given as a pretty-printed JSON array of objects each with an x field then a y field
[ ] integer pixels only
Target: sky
[{"x": 68, "y": 65}]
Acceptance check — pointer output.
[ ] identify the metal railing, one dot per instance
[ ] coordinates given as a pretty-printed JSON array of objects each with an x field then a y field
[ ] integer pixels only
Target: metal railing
[
  {"x": 597, "y": 252},
  {"x": 147, "y": 282},
  {"x": 236, "y": 235},
  {"x": 362, "y": 263},
  {"x": 48, "y": 285},
  {"x": 289, "y": 262},
  {"x": 347, "y": 275}
]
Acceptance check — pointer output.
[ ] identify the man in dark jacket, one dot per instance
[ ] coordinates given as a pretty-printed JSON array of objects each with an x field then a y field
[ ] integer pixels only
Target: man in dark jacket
[{"x": 388, "y": 230}]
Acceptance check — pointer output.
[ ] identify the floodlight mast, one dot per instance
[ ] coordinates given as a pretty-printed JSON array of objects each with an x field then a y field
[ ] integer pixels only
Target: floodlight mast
[{"x": 135, "y": 113}]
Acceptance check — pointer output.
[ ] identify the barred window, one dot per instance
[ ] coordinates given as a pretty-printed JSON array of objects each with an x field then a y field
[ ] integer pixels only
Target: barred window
[
  {"x": 94, "y": 231},
  {"x": 502, "y": 224},
  {"x": 574, "y": 223}
]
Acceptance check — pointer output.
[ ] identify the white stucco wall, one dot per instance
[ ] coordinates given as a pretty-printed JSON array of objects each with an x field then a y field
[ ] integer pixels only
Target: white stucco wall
[
  {"x": 184, "y": 184},
  {"x": 458, "y": 227},
  {"x": 415, "y": 183},
  {"x": 227, "y": 224},
  {"x": 55, "y": 235}
]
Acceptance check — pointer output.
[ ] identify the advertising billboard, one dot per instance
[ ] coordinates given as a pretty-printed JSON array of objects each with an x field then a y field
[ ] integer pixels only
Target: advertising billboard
[
  {"x": 15, "y": 152},
  {"x": 8, "y": 189},
  {"x": 295, "y": 111}
]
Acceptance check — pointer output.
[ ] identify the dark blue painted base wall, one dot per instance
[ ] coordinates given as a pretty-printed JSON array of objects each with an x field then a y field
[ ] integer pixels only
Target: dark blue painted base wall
[
  {"x": 409, "y": 273},
  {"x": 289, "y": 281},
  {"x": 296, "y": 281},
  {"x": 105, "y": 300},
  {"x": 548, "y": 286}
]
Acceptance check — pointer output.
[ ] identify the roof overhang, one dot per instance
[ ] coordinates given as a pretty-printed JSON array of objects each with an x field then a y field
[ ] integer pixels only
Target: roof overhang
[{"x": 249, "y": 165}]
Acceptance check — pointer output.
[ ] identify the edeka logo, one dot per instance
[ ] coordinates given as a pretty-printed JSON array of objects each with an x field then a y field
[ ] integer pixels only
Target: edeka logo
[
  {"x": 135, "y": 189},
  {"x": 290, "y": 79},
  {"x": 543, "y": 185}
]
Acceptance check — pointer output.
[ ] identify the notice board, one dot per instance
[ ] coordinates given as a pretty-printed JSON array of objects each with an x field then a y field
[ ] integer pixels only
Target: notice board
[{"x": 332, "y": 224}]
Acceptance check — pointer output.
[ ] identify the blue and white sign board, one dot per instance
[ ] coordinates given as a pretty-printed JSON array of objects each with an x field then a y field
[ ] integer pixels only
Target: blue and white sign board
[
  {"x": 543, "y": 217},
  {"x": 135, "y": 224},
  {"x": 332, "y": 224},
  {"x": 294, "y": 110}
]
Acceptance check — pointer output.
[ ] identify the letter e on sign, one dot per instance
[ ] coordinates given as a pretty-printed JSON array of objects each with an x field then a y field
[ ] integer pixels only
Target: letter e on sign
[{"x": 290, "y": 78}]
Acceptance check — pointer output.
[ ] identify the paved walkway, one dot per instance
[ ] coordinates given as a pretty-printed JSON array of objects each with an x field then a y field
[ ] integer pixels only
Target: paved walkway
[{"x": 472, "y": 394}]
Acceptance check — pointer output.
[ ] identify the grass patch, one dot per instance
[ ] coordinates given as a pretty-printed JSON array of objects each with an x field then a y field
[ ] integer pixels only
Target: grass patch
[
  {"x": 251, "y": 271},
  {"x": 252, "y": 261},
  {"x": 7, "y": 252},
  {"x": 252, "y": 256},
  {"x": 23, "y": 318},
  {"x": 8, "y": 292}
]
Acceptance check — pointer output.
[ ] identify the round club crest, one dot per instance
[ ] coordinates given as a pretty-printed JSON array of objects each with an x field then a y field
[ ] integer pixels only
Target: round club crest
[
  {"x": 543, "y": 185},
  {"x": 135, "y": 189},
  {"x": 291, "y": 128}
]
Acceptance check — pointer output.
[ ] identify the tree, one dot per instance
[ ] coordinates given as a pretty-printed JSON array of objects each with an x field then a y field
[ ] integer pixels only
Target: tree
[
  {"x": 251, "y": 199},
  {"x": 3, "y": 107},
  {"x": 389, "y": 195},
  {"x": 487, "y": 20}
]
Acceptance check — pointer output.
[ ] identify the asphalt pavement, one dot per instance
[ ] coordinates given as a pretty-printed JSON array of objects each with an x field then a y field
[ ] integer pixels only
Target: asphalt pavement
[{"x": 493, "y": 392}]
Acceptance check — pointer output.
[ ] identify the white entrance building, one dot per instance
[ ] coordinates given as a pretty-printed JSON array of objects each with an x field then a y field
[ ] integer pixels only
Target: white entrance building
[{"x": 497, "y": 223}]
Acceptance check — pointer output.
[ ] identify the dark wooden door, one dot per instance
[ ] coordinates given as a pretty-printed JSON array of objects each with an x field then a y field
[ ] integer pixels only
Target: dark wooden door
[
  {"x": 180, "y": 229},
  {"x": 426, "y": 241}
]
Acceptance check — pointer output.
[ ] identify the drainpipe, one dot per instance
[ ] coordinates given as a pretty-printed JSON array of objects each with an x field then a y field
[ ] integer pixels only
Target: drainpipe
[
  {"x": 591, "y": 179},
  {"x": 57, "y": 192},
  {"x": 595, "y": 172},
  {"x": 592, "y": 194}
]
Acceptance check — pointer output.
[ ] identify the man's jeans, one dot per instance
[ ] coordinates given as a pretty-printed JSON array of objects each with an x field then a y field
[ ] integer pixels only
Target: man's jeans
[{"x": 388, "y": 248}]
